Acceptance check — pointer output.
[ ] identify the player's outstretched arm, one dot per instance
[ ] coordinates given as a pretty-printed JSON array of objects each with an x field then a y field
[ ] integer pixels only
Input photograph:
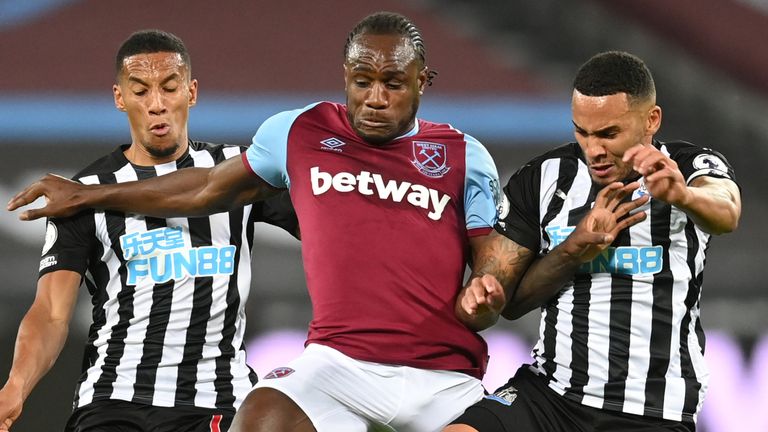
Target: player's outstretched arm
[
  {"x": 498, "y": 264},
  {"x": 594, "y": 233},
  {"x": 186, "y": 192},
  {"x": 41, "y": 336},
  {"x": 713, "y": 203}
]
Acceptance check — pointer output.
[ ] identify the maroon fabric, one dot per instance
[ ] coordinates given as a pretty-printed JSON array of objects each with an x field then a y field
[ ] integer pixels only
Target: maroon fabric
[{"x": 391, "y": 301}]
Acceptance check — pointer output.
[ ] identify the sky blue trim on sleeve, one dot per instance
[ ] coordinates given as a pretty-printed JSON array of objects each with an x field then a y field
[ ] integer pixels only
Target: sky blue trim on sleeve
[
  {"x": 268, "y": 152},
  {"x": 481, "y": 186}
]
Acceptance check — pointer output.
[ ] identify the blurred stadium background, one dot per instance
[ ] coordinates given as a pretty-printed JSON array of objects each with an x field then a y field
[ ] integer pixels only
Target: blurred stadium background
[{"x": 505, "y": 68}]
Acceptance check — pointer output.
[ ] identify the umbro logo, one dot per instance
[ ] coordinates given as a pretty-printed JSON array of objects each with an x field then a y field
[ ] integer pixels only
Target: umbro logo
[{"x": 332, "y": 143}]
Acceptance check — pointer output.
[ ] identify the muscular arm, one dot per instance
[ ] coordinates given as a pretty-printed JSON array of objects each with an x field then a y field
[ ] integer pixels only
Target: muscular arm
[
  {"x": 41, "y": 336},
  {"x": 594, "y": 233},
  {"x": 186, "y": 192},
  {"x": 498, "y": 264},
  {"x": 713, "y": 203}
]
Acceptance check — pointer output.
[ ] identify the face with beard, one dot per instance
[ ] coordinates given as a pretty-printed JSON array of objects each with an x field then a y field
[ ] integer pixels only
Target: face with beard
[
  {"x": 384, "y": 81},
  {"x": 156, "y": 92},
  {"x": 607, "y": 126}
]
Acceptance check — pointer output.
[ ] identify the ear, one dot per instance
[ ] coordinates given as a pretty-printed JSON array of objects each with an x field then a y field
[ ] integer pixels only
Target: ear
[
  {"x": 423, "y": 79},
  {"x": 118, "y": 95},
  {"x": 346, "y": 75},
  {"x": 193, "y": 92},
  {"x": 653, "y": 121}
]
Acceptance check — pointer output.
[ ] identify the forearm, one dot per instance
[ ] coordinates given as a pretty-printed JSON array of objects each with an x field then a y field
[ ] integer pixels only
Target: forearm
[
  {"x": 543, "y": 280},
  {"x": 38, "y": 345},
  {"x": 495, "y": 260},
  {"x": 186, "y": 192},
  {"x": 714, "y": 207},
  {"x": 182, "y": 193}
]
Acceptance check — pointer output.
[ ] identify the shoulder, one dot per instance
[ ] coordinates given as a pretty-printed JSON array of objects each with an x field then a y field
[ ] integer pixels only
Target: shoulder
[
  {"x": 695, "y": 160},
  {"x": 319, "y": 108},
  {"x": 567, "y": 153},
  {"x": 106, "y": 164},
  {"x": 215, "y": 148}
]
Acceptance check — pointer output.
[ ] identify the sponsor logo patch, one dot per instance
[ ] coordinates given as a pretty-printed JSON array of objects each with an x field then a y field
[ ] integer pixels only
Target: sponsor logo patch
[
  {"x": 710, "y": 162},
  {"x": 505, "y": 396},
  {"x": 431, "y": 159},
  {"x": 166, "y": 253},
  {"x": 51, "y": 234},
  {"x": 372, "y": 184},
  {"x": 47, "y": 262},
  {"x": 279, "y": 373},
  {"x": 332, "y": 143}
]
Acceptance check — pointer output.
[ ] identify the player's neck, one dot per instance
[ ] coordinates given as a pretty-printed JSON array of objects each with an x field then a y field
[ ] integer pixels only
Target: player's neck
[{"x": 140, "y": 155}]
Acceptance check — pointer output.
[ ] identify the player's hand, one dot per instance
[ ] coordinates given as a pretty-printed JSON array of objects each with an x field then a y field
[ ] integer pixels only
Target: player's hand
[
  {"x": 60, "y": 196},
  {"x": 482, "y": 298},
  {"x": 663, "y": 178},
  {"x": 11, "y": 403},
  {"x": 597, "y": 230}
]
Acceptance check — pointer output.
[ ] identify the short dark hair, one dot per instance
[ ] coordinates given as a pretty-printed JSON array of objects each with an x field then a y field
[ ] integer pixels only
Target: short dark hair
[
  {"x": 385, "y": 23},
  {"x": 151, "y": 41},
  {"x": 614, "y": 72}
]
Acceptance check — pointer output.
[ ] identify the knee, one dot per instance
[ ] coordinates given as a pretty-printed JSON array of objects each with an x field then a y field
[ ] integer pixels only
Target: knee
[{"x": 269, "y": 410}]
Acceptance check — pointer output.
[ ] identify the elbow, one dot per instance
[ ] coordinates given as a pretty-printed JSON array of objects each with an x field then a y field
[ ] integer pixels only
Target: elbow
[
  {"x": 513, "y": 312},
  {"x": 726, "y": 226}
]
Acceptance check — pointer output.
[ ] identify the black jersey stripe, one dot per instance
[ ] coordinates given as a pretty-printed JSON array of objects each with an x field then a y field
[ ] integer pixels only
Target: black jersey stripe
[
  {"x": 97, "y": 277},
  {"x": 159, "y": 314},
  {"x": 103, "y": 387},
  {"x": 579, "y": 364},
  {"x": 223, "y": 383},
  {"x": 661, "y": 325},
  {"x": 568, "y": 168},
  {"x": 692, "y": 384},
  {"x": 582, "y": 283},
  {"x": 619, "y": 333},
  {"x": 201, "y": 313}
]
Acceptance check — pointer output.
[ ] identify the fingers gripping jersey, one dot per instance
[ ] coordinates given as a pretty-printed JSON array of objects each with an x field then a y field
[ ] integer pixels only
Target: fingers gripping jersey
[
  {"x": 385, "y": 232},
  {"x": 625, "y": 333}
]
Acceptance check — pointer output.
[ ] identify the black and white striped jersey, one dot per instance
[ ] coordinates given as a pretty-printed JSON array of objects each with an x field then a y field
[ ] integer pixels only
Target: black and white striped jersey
[
  {"x": 168, "y": 295},
  {"x": 625, "y": 333}
]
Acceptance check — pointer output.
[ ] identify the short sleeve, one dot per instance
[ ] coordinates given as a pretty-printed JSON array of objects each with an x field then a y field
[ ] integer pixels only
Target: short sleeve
[
  {"x": 68, "y": 243},
  {"x": 694, "y": 161},
  {"x": 267, "y": 154},
  {"x": 481, "y": 188},
  {"x": 519, "y": 209}
]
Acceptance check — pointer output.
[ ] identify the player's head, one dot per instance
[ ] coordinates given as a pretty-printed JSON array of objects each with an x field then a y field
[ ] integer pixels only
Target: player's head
[
  {"x": 155, "y": 89},
  {"x": 385, "y": 74},
  {"x": 614, "y": 108}
]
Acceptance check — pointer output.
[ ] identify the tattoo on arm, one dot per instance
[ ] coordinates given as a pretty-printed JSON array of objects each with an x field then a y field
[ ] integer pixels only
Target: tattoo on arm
[{"x": 502, "y": 258}]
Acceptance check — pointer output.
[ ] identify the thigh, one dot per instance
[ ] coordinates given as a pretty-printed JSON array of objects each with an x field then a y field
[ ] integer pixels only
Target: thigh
[
  {"x": 315, "y": 385},
  {"x": 108, "y": 416},
  {"x": 431, "y": 399}
]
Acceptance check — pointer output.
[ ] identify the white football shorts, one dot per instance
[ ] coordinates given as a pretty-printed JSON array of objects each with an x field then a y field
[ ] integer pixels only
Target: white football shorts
[{"x": 339, "y": 393}]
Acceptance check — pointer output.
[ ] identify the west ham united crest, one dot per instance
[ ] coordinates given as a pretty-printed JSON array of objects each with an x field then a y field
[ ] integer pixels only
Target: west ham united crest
[
  {"x": 430, "y": 158},
  {"x": 279, "y": 373}
]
